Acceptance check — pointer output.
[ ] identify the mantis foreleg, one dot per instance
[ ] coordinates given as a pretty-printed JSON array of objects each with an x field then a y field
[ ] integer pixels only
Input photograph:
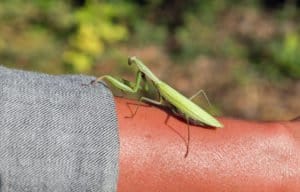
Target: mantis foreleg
[{"x": 125, "y": 85}]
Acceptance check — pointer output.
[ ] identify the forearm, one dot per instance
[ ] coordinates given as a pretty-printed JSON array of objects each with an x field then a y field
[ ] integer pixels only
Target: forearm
[{"x": 243, "y": 156}]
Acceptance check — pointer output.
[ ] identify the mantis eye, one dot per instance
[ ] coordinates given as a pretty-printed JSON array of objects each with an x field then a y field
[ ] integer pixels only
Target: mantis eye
[
  {"x": 143, "y": 76},
  {"x": 129, "y": 61}
]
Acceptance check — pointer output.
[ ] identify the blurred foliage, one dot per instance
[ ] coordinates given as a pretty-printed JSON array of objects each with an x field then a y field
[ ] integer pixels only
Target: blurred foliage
[
  {"x": 53, "y": 36},
  {"x": 239, "y": 42},
  {"x": 32, "y": 33},
  {"x": 97, "y": 27},
  {"x": 285, "y": 54},
  {"x": 71, "y": 36}
]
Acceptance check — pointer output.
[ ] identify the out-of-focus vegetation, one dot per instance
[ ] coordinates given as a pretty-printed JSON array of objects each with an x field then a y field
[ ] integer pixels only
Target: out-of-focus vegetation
[{"x": 244, "y": 54}]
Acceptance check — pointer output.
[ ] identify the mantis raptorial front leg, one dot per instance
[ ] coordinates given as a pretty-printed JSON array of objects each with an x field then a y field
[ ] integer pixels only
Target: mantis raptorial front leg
[
  {"x": 124, "y": 85},
  {"x": 121, "y": 85}
]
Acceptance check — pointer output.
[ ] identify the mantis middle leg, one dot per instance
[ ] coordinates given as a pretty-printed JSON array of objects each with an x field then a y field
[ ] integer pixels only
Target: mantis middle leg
[
  {"x": 186, "y": 141},
  {"x": 146, "y": 100},
  {"x": 189, "y": 137}
]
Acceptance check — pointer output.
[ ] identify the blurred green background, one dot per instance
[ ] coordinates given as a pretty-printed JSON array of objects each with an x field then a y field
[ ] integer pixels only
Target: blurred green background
[{"x": 244, "y": 54}]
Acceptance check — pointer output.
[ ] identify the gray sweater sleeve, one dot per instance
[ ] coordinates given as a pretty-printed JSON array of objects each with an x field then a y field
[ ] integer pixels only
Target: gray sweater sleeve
[{"x": 56, "y": 134}]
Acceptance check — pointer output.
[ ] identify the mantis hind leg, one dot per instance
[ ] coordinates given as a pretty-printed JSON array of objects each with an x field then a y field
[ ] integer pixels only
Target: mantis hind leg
[{"x": 201, "y": 91}]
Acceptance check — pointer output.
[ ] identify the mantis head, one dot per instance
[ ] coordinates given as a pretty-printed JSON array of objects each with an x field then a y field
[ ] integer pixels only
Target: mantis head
[{"x": 143, "y": 69}]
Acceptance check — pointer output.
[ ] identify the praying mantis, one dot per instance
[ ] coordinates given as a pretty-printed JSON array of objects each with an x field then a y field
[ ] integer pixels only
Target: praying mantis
[{"x": 168, "y": 97}]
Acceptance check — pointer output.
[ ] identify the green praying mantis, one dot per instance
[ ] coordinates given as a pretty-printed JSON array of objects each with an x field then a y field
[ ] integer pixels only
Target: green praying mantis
[{"x": 168, "y": 97}]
